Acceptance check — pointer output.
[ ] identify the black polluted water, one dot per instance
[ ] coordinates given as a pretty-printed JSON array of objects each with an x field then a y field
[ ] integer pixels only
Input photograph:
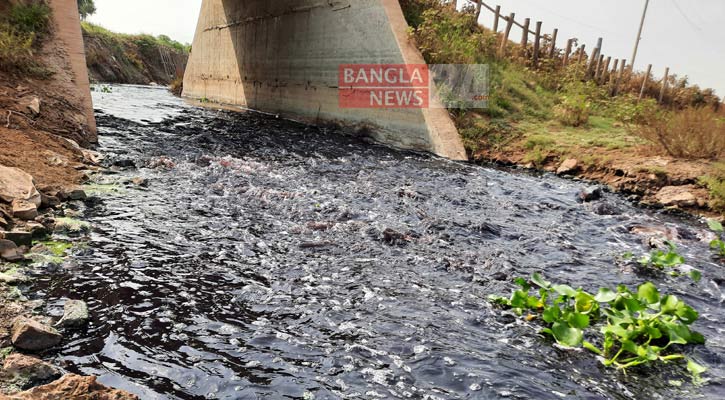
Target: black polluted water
[{"x": 260, "y": 258}]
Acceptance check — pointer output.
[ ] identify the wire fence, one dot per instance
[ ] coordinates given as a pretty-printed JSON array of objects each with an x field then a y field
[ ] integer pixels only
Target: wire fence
[{"x": 536, "y": 46}]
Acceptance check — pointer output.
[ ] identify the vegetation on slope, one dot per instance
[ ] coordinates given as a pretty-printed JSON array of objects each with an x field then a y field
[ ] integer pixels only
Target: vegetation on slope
[
  {"x": 22, "y": 28},
  {"x": 122, "y": 58},
  {"x": 546, "y": 114}
]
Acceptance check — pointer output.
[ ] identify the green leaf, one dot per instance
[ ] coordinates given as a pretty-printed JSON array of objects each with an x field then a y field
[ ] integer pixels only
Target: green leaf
[
  {"x": 539, "y": 281},
  {"x": 566, "y": 335},
  {"x": 551, "y": 314},
  {"x": 648, "y": 292},
  {"x": 714, "y": 225},
  {"x": 564, "y": 290},
  {"x": 605, "y": 295},
  {"x": 519, "y": 299},
  {"x": 695, "y": 275},
  {"x": 522, "y": 282},
  {"x": 578, "y": 320},
  {"x": 695, "y": 368},
  {"x": 669, "y": 303},
  {"x": 686, "y": 313}
]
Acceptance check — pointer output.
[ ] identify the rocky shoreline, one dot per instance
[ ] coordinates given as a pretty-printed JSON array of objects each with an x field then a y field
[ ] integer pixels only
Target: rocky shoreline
[
  {"x": 653, "y": 182},
  {"x": 28, "y": 218}
]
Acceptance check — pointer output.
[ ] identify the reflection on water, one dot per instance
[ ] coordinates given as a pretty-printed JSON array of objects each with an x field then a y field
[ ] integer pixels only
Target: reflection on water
[{"x": 268, "y": 259}]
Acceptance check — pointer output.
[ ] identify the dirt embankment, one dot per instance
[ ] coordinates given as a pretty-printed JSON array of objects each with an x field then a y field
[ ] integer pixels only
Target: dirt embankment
[
  {"x": 653, "y": 180},
  {"x": 131, "y": 59},
  {"x": 44, "y": 135}
]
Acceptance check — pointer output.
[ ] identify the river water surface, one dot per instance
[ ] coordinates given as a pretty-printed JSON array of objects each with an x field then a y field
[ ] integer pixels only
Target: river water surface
[{"x": 272, "y": 260}]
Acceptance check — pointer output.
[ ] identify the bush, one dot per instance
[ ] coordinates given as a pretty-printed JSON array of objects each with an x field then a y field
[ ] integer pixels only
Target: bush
[
  {"x": 20, "y": 31},
  {"x": 715, "y": 182},
  {"x": 691, "y": 133},
  {"x": 177, "y": 86},
  {"x": 574, "y": 110},
  {"x": 33, "y": 19}
]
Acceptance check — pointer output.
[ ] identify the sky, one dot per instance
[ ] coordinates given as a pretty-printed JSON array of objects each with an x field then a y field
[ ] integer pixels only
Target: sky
[{"x": 685, "y": 35}]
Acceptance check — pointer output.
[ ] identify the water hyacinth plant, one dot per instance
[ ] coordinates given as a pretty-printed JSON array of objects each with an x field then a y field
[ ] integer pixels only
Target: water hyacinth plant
[
  {"x": 718, "y": 244},
  {"x": 635, "y": 328},
  {"x": 662, "y": 260}
]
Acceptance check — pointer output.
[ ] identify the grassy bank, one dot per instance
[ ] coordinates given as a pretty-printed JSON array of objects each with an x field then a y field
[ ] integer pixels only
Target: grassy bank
[
  {"x": 22, "y": 29},
  {"x": 539, "y": 117},
  {"x": 139, "y": 59}
]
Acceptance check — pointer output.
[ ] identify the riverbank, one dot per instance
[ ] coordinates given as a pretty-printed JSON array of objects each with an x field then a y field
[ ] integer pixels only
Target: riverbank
[
  {"x": 607, "y": 153},
  {"x": 553, "y": 117},
  {"x": 44, "y": 161},
  {"x": 132, "y": 59}
]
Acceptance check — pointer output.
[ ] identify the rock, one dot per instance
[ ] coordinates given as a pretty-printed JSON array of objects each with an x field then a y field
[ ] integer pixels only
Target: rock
[
  {"x": 10, "y": 251},
  {"x": 77, "y": 194},
  {"x": 34, "y": 106},
  {"x": 589, "y": 194},
  {"x": 13, "y": 277},
  {"x": 75, "y": 314},
  {"x": 25, "y": 372},
  {"x": 3, "y": 223},
  {"x": 18, "y": 237},
  {"x": 28, "y": 334},
  {"x": 676, "y": 196},
  {"x": 568, "y": 167},
  {"x": 71, "y": 226},
  {"x": 49, "y": 201},
  {"x": 606, "y": 209},
  {"x": 24, "y": 210},
  {"x": 36, "y": 229},
  {"x": 92, "y": 157},
  {"x": 141, "y": 182},
  {"x": 16, "y": 184},
  {"x": 74, "y": 387}
]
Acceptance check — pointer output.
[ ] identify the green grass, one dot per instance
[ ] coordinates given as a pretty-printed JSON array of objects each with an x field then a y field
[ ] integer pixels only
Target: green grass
[
  {"x": 21, "y": 29},
  {"x": 143, "y": 41}
]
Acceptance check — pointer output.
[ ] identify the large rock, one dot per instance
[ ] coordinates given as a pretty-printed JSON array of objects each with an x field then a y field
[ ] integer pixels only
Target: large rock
[
  {"x": 20, "y": 238},
  {"x": 16, "y": 184},
  {"x": 31, "y": 335},
  {"x": 9, "y": 251},
  {"x": 75, "y": 314},
  {"x": 568, "y": 167},
  {"x": 25, "y": 210},
  {"x": 74, "y": 387},
  {"x": 23, "y": 372},
  {"x": 34, "y": 106},
  {"x": 676, "y": 196}
]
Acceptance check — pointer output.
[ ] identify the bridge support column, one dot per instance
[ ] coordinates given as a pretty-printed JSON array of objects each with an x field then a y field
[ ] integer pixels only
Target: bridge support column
[{"x": 283, "y": 57}]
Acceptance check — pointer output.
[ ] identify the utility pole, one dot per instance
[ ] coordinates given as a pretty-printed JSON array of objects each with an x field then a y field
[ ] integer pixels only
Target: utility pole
[{"x": 639, "y": 35}]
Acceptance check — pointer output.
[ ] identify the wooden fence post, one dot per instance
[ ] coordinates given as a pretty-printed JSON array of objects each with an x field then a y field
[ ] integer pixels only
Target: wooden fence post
[
  {"x": 594, "y": 58},
  {"x": 567, "y": 52},
  {"x": 525, "y": 34},
  {"x": 644, "y": 81},
  {"x": 598, "y": 68},
  {"x": 537, "y": 43},
  {"x": 605, "y": 70},
  {"x": 613, "y": 73},
  {"x": 582, "y": 50},
  {"x": 496, "y": 18},
  {"x": 665, "y": 82},
  {"x": 505, "y": 39},
  {"x": 622, "y": 66},
  {"x": 552, "y": 49}
]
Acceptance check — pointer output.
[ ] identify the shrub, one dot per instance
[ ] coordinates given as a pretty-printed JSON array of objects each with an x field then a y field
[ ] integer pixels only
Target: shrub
[
  {"x": 20, "y": 30},
  {"x": 691, "y": 133},
  {"x": 31, "y": 18},
  {"x": 574, "y": 110},
  {"x": 715, "y": 182},
  {"x": 177, "y": 86}
]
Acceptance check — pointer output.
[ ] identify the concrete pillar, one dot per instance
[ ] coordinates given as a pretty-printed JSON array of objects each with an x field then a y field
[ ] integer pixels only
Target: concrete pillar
[
  {"x": 283, "y": 57},
  {"x": 69, "y": 38}
]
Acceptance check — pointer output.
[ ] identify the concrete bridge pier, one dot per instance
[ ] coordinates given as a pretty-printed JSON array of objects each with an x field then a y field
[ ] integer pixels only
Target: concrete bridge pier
[{"x": 283, "y": 57}]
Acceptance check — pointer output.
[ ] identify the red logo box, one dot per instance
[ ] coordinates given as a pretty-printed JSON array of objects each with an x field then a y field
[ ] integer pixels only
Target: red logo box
[{"x": 383, "y": 86}]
